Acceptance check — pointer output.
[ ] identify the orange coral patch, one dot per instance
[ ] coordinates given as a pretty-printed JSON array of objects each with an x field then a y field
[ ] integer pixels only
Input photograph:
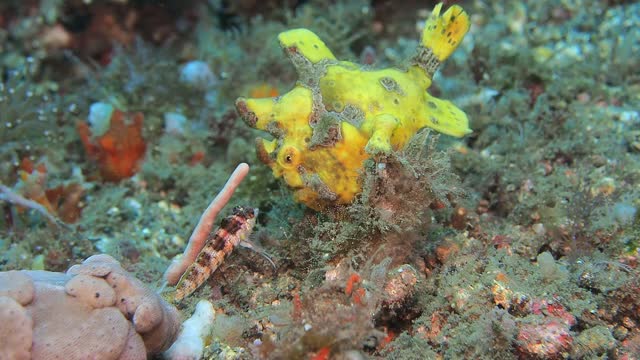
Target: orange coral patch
[
  {"x": 27, "y": 165},
  {"x": 66, "y": 201},
  {"x": 297, "y": 306},
  {"x": 322, "y": 354},
  {"x": 63, "y": 201},
  {"x": 352, "y": 281},
  {"x": 34, "y": 178},
  {"x": 359, "y": 295},
  {"x": 391, "y": 335},
  {"x": 120, "y": 150},
  {"x": 196, "y": 158}
]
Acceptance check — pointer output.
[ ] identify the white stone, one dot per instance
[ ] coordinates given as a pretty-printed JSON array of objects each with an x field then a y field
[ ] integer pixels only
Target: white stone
[
  {"x": 197, "y": 73},
  {"x": 174, "y": 123},
  {"x": 99, "y": 118},
  {"x": 191, "y": 340}
]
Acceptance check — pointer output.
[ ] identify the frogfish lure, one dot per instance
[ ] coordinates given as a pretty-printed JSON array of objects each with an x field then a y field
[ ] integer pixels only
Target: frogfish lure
[{"x": 233, "y": 230}]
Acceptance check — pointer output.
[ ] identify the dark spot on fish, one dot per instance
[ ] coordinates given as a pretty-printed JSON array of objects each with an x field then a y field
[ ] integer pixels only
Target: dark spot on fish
[
  {"x": 204, "y": 259},
  {"x": 217, "y": 242}
]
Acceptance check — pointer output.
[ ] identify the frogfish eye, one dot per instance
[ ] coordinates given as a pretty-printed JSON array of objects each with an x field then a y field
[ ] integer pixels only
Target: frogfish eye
[{"x": 289, "y": 157}]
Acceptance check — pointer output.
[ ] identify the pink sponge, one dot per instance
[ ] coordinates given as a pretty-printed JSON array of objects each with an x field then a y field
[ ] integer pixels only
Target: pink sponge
[
  {"x": 95, "y": 311},
  {"x": 15, "y": 340},
  {"x": 16, "y": 285},
  {"x": 152, "y": 317},
  {"x": 68, "y": 328}
]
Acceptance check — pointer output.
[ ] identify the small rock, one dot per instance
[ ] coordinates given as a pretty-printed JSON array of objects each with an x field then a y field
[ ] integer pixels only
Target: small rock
[
  {"x": 548, "y": 340},
  {"x": 400, "y": 285},
  {"x": 593, "y": 342},
  {"x": 197, "y": 74}
]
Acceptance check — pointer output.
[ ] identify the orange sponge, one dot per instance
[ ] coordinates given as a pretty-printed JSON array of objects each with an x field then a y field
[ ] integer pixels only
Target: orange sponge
[{"x": 120, "y": 149}]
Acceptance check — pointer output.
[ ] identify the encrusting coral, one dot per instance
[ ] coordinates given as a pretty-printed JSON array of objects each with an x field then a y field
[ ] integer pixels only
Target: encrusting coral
[
  {"x": 95, "y": 309},
  {"x": 340, "y": 113}
]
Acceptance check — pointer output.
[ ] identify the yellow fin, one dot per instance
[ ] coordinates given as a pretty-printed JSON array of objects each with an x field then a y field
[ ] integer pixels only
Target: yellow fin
[
  {"x": 276, "y": 115},
  {"x": 380, "y": 141},
  {"x": 264, "y": 149},
  {"x": 445, "y": 117},
  {"x": 305, "y": 43},
  {"x": 443, "y": 33},
  {"x": 256, "y": 112}
]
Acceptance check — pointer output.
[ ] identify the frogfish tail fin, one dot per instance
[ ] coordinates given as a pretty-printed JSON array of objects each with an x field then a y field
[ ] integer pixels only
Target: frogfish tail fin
[{"x": 441, "y": 36}]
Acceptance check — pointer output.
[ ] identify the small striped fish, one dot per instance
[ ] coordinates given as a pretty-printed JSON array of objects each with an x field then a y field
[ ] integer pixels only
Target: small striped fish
[{"x": 233, "y": 230}]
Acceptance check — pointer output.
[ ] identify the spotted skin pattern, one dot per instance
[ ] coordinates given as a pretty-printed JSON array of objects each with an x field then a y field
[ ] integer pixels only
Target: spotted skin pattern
[{"x": 233, "y": 230}]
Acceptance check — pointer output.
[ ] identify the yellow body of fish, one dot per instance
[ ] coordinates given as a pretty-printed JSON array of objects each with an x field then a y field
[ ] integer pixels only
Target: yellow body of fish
[{"x": 340, "y": 113}]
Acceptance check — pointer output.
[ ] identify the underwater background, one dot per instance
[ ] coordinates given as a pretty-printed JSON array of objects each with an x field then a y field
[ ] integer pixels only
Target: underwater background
[{"x": 517, "y": 241}]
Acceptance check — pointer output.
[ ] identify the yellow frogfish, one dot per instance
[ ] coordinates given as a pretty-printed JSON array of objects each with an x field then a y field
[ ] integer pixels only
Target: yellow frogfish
[{"x": 340, "y": 113}]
